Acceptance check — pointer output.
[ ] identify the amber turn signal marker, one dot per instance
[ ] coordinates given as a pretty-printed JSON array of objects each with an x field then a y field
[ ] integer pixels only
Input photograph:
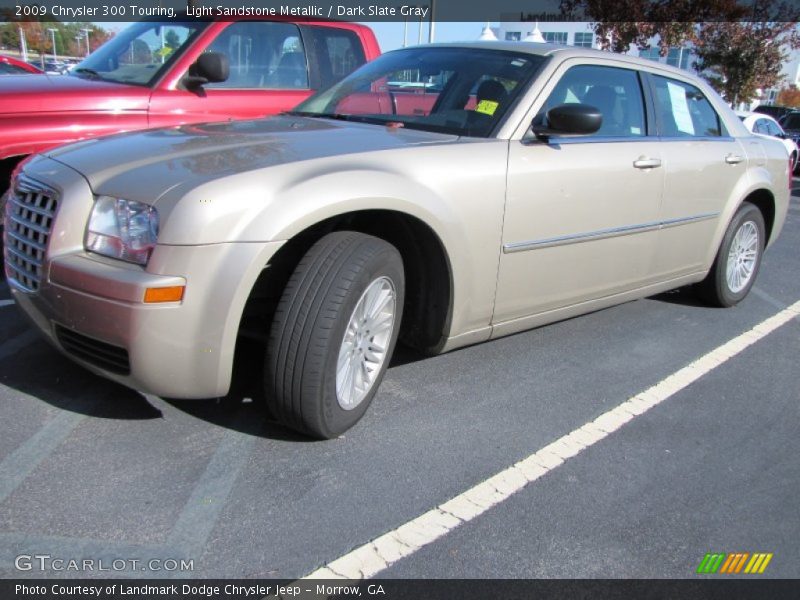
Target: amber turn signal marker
[{"x": 164, "y": 294}]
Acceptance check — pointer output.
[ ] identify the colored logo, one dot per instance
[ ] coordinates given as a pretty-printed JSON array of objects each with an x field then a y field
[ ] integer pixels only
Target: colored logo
[{"x": 736, "y": 562}]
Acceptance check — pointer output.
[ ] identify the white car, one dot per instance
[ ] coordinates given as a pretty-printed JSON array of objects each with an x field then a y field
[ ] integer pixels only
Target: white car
[{"x": 762, "y": 124}]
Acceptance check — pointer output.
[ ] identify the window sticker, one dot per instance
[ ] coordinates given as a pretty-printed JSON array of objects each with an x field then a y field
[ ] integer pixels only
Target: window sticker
[
  {"x": 487, "y": 107},
  {"x": 680, "y": 108}
]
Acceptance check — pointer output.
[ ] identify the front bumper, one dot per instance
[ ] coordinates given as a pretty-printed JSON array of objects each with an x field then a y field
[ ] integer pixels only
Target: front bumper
[
  {"x": 92, "y": 308},
  {"x": 94, "y": 312}
]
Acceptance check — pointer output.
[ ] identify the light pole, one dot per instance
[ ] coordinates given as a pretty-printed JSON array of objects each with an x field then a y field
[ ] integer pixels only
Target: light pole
[
  {"x": 53, "y": 36},
  {"x": 23, "y": 44},
  {"x": 86, "y": 33},
  {"x": 432, "y": 23}
]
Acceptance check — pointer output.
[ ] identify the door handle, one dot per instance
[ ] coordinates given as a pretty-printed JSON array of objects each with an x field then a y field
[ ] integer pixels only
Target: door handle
[
  {"x": 733, "y": 159},
  {"x": 647, "y": 163}
]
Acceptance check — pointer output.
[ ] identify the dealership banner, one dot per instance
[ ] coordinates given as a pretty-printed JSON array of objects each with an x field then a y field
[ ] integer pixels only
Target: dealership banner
[
  {"x": 372, "y": 10},
  {"x": 399, "y": 589}
]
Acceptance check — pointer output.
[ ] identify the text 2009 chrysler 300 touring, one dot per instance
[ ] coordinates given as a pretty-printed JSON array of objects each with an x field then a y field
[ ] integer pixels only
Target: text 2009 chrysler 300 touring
[{"x": 446, "y": 195}]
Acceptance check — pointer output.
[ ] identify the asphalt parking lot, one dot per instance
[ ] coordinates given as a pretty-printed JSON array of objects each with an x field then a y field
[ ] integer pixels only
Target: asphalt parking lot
[{"x": 92, "y": 470}]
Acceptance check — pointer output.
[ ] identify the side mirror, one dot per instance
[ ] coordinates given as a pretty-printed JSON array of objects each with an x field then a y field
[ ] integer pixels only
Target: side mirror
[
  {"x": 210, "y": 67},
  {"x": 569, "y": 119}
]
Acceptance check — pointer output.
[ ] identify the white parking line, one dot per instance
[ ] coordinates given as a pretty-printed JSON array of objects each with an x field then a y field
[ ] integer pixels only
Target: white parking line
[
  {"x": 6, "y": 303},
  {"x": 372, "y": 558}
]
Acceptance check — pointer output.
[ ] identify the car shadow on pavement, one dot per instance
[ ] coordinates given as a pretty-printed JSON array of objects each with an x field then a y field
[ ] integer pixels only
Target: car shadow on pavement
[
  {"x": 41, "y": 373},
  {"x": 685, "y": 296},
  {"x": 245, "y": 408}
]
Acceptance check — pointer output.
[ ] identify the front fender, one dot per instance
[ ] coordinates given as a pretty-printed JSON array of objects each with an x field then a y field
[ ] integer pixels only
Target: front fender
[{"x": 457, "y": 190}]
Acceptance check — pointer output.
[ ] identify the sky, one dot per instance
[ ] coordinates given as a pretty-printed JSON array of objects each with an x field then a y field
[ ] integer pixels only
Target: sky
[{"x": 390, "y": 34}]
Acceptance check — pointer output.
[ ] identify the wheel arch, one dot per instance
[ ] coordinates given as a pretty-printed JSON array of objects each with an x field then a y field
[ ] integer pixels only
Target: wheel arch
[
  {"x": 764, "y": 200},
  {"x": 429, "y": 276}
]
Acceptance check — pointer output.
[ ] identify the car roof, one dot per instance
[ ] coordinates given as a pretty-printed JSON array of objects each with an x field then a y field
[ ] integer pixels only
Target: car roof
[{"x": 544, "y": 49}]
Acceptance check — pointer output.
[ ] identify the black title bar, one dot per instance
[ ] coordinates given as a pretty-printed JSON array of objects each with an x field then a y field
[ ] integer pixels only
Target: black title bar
[{"x": 384, "y": 10}]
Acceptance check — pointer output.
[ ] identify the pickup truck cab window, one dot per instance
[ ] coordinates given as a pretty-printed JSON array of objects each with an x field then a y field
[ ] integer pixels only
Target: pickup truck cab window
[{"x": 262, "y": 55}]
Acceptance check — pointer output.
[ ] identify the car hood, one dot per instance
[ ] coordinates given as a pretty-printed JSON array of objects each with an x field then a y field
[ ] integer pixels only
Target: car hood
[
  {"x": 144, "y": 165},
  {"x": 22, "y": 94}
]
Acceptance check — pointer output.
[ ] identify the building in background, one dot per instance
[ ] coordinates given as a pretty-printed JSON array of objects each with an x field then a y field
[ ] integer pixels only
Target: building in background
[{"x": 582, "y": 34}]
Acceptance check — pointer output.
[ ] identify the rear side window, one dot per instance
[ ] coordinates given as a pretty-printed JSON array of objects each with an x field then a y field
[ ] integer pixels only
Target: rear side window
[
  {"x": 262, "y": 55},
  {"x": 684, "y": 111},
  {"x": 761, "y": 127},
  {"x": 773, "y": 129},
  {"x": 338, "y": 52},
  {"x": 615, "y": 92}
]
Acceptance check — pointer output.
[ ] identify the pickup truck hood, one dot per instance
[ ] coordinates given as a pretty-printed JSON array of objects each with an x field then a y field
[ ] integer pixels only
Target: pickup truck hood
[
  {"x": 144, "y": 165},
  {"x": 23, "y": 94}
]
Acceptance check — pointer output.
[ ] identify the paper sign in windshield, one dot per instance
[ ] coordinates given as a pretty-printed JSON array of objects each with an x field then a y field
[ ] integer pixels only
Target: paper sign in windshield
[{"x": 487, "y": 107}]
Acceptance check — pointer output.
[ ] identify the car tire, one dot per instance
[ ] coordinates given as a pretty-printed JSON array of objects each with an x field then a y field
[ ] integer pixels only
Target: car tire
[
  {"x": 739, "y": 257},
  {"x": 346, "y": 283},
  {"x": 794, "y": 163}
]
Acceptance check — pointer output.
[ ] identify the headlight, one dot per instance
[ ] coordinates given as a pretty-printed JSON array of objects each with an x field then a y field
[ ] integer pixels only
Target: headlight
[{"x": 122, "y": 229}]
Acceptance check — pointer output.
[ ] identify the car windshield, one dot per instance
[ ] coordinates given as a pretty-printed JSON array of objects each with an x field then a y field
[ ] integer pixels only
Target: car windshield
[
  {"x": 139, "y": 54},
  {"x": 461, "y": 91},
  {"x": 8, "y": 69}
]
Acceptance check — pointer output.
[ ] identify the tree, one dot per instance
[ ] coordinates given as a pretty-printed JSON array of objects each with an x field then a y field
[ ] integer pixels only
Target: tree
[
  {"x": 738, "y": 59},
  {"x": 39, "y": 40},
  {"x": 740, "y": 44},
  {"x": 789, "y": 96},
  {"x": 620, "y": 24}
]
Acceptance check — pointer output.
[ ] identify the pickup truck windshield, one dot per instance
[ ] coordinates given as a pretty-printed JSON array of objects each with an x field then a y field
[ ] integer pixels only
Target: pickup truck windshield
[
  {"x": 461, "y": 91},
  {"x": 139, "y": 54}
]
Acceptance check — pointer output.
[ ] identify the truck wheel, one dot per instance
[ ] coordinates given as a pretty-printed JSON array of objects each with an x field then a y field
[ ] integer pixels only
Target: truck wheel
[
  {"x": 333, "y": 333},
  {"x": 738, "y": 259}
]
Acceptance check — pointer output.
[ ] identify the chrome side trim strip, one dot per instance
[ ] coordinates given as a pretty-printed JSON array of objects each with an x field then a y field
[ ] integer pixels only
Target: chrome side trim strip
[
  {"x": 684, "y": 220},
  {"x": 601, "y": 234}
]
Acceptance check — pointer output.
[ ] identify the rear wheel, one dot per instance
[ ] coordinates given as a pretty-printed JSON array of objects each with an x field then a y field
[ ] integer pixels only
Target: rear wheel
[
  {"x": 333, "y": 333},
  {"x": 738, "y": 259}
]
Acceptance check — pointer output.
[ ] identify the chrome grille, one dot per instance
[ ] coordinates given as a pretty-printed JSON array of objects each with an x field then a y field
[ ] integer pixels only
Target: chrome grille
[{"x": 28, "y": 221}]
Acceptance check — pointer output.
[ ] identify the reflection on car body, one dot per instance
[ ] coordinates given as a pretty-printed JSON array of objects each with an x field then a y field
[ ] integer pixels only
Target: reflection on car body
[{"x": 532, "y": 183}]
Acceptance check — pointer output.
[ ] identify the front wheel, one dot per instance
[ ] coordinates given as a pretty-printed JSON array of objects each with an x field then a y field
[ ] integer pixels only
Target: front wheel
[
  {"x": 738, "y": 259},
  {"x": 334, "y": 332}
]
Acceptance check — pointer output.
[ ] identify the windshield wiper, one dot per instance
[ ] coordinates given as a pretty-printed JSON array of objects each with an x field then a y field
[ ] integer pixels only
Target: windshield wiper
[
  {"x": 336, "y": 116},
  {"x": 92, "y": 74}
]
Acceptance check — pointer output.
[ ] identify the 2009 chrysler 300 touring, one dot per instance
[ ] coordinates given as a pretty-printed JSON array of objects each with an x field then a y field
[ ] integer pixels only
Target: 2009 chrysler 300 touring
[{"x": 444, "y": 195}]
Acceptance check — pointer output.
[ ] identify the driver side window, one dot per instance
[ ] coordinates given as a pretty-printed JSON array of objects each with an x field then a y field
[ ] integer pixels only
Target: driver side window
[{"x": 615, "y": 92}]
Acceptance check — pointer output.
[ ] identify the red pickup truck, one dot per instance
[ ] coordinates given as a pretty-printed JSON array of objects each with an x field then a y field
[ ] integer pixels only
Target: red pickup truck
[{"x": 155, "y": 74}]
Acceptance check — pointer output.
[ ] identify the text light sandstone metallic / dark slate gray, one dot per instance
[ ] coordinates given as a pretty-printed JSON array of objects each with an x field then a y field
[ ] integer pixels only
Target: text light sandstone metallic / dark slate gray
[{"x": 442, "y": 196}]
